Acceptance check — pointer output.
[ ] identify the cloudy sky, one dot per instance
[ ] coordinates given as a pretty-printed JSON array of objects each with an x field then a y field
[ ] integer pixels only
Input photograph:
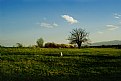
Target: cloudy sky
[{"x": 25, "y": 21}]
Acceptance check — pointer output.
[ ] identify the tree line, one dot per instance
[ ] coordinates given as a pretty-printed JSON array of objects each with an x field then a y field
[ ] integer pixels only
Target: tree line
[{"x": 76, "y": 38}]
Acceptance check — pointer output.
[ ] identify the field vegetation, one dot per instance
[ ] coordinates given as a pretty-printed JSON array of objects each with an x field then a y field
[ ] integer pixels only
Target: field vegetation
[{"x": 46, "y": 64}]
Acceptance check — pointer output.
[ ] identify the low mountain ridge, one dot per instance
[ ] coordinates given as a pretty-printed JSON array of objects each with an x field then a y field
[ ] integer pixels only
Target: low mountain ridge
[{"x": 114, "y": 42}]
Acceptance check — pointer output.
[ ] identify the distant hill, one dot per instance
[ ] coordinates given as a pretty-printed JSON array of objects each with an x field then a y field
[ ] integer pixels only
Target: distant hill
[{"x": 114, "y": 42}]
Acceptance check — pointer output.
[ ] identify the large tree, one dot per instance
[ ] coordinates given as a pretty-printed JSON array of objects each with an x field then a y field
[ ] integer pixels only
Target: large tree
[
  {"x": 40, "y": 42},
  {"x": 78, "y": 36},
  {"x": 19, "y": 45}
]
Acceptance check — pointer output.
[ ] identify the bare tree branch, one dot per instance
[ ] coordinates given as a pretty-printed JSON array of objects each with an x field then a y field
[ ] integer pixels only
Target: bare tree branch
[{"x": 78, "y": 36}]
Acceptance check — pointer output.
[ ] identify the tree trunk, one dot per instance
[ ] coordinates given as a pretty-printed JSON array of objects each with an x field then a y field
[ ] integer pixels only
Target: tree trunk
[{"x": 79, "y": 45}]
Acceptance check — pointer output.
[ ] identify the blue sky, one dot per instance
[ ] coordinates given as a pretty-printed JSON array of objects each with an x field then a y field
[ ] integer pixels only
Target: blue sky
[{"x": 25, "y": 21}]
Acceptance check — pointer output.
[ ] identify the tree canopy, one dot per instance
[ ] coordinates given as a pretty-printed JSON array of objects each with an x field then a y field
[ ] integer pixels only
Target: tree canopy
[
  {"x": 40, "y": 42},
  {"x": 78, "y": 36},
  {"x": 19, "y": 45}
]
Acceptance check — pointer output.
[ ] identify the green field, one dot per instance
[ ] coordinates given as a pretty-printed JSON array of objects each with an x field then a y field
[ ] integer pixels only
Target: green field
[{"x": 46, "y": 64}]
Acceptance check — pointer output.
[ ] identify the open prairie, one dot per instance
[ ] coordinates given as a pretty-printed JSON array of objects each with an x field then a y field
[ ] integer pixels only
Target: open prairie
[{"x": 46, "y": 64}]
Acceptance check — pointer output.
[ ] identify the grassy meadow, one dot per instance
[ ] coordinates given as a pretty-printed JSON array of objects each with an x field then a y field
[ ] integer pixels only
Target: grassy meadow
[{"x": 46, "y": 64}]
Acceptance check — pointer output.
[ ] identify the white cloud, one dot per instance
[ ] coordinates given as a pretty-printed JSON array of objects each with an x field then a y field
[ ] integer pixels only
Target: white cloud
[
  {"x": 54, "y": 24},
  {"x": 47, "y": 25},
  {"x": 69, "y": 19},
  {"x": 111, "y": 27},
  {"x": 117, "y": 16}
]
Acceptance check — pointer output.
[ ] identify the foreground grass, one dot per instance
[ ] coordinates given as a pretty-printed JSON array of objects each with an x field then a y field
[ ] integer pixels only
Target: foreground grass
[{"x": 35, "y": 64}]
